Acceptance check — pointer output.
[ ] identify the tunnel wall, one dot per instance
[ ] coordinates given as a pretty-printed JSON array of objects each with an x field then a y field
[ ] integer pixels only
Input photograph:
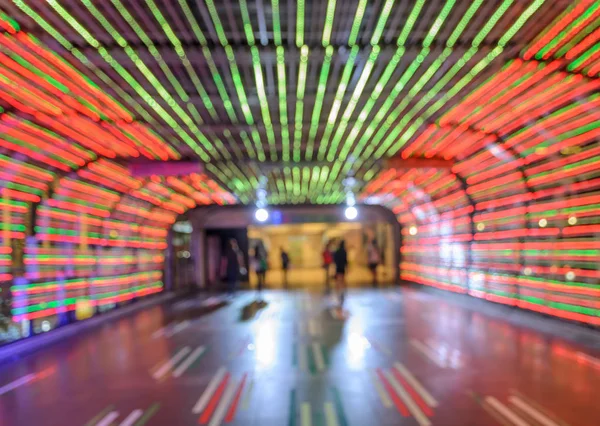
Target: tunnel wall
[
  {"x": 516, "y": 219},
  {"x": 76, "y": 228}
]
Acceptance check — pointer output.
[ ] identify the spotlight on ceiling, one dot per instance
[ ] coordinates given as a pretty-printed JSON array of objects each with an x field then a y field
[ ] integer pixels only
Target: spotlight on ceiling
[
  {"x": 351, "y": 213},
  {"x": 261, "y": 214}
]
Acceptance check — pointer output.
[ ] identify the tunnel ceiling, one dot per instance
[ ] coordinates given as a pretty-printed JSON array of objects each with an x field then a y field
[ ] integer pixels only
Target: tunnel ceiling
[{"x": 305, "y": 93}]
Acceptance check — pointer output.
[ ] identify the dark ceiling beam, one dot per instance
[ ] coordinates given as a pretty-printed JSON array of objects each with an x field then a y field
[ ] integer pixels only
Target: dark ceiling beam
[
  {"x": 240, "y": 127},
  {"x": 242, "y": 54}
]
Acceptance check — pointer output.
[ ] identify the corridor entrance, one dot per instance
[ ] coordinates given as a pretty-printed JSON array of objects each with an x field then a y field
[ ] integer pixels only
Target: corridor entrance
[{"x": 305, "y": 242}]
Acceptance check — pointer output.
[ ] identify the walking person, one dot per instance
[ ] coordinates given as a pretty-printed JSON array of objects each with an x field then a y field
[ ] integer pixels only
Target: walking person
[
  {"x": 285, "y": 264},
  {"x": 234, "y": 263},
  {"x": 340, "y": 258},
  {"x": 373, "y": 259},
  {"x": 327, "y": 261}
]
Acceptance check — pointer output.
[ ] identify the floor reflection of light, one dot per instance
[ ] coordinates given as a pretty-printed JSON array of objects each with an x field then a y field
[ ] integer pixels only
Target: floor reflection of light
[
  {"x": 357, "y": 345},
  {"x": 265, "y": 344}
]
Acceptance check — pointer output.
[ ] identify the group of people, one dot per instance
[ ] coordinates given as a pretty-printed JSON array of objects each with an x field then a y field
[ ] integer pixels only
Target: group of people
[
  {"x": 338, "y": 257},
  {"x": 235, "y": 265},
  {"x": 329, "y": 258}
]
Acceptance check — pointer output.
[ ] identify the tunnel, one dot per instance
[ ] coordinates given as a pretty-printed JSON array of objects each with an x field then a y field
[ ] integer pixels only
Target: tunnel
[{"x": 158, "y": 156}]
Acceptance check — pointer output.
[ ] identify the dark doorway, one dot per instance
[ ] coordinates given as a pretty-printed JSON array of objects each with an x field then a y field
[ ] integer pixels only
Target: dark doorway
[{"x": 216, "y": 241}]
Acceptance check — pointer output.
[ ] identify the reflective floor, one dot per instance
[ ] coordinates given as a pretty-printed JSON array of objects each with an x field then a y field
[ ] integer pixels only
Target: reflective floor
[
  {"x": 398, "y": 358},
  {"x": 313, "y": 278}
]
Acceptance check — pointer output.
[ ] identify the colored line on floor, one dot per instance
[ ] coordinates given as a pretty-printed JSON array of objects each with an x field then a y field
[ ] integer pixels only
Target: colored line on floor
[
  {"x": 383, "y": 396},
  {"x": 319, "y": 361},
  {"x": 208, "y": 392},
  {"x": 413, "y": 408},
  {"x": 337, "y": 399},
  {"x": 413, "y": 394},
  {"x": 160, "y": 332},
  {"x": 171, "y": 329},
  {"x": 247, "y": 394},
  {"x": 221, "y": 410},
  {"x": 488, "y": 409},
  {"x": 330, "y": 415},
  {"x": 305, "y": 414},
  {"x": 212, "y": 405},
  {"x": 148, "y": 414},
  {"x": 17, "y": 383},
  {"x": 100, "y": 415},
  {"x": 194, "y": 356},
  {"x": 292, "y": 418},
  {"x": 178, "y": 328},
  {"x": 397, "y": 401},
  {"x": 430, "y": 400},
  {"x": 236, "y": 399},
  {"x": 532, "y": 412},
  {"x": 428, "y": 352},
  {"x": 169, "y": 364},
  {"x": 108, "y": 419},
  {"x": 588, "y": 359},
  {"x": 545, "y": 411},
  {"x": 132, "y": 418},
  {"x": 505, "y": 411}
]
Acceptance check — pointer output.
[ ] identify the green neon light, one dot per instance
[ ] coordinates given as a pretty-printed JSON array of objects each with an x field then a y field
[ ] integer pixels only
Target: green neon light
[
  {"x": 399, "y": 128},
  {"x": 358, "y": 17},
  {"x": 437, "y": 24},
  {"x": 152, "y": 49},
  {"x": 558, "y": 38},
  {"x": 137, "y": 87},
  {"x": 337, "y": 102},
  {"x": 212, "y": 10},
  {"x": 283, "y": 115},
  {"x": 410, "y": 22},
  {"x": 460, "y": 27},
  {"x": 380, "y": 26},
  {"x": 247, "y": 144},
  {"x": 584, "y": 57},
  {"x": 316, "y": 115},
  {"x": 491, "y": 23},
  {"x": 300, "y": 23},
  {"x": 521, "y": 20},
  {"x": 302, "y": 68},
  {"x": 164, "y": 24},
  {"x": 360, "y": 85},
  {"x": 276, "y": 23},
  {"x": 85, "y": 61},
  {"x": 328, "y": 27},
  {"x": 381, "y": 84},
  {"x": 264, "y": 103},
  {"x": 247, "y": 23}
]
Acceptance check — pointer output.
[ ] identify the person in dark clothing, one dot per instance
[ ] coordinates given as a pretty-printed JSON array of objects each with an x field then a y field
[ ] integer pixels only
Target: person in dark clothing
[
  {"x": 285, "y": 264},
  {"x": 234, "y": 263},
  {"x": 340, "y": 258}
]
